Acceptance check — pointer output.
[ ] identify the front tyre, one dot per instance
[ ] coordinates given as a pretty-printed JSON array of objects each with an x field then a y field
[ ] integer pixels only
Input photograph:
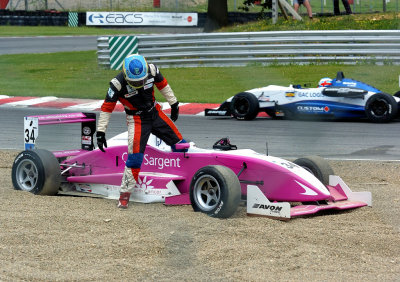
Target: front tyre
[
  {"x": 36, "y": 171},
  {"x": 381, "y": 107},
  {"x": 244, "y": 106},
  {"x": 318, "y": 166},
  {"x": 215, "y": 191}
]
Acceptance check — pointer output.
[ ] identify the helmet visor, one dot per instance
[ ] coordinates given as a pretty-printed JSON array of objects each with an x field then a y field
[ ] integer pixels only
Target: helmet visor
[{"x": 136, "y": 84}]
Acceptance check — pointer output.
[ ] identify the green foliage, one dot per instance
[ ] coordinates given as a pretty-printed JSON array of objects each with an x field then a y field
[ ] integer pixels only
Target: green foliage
[
  {"x": 77, "y": 75},
  {"x": 358, "y": 22}
]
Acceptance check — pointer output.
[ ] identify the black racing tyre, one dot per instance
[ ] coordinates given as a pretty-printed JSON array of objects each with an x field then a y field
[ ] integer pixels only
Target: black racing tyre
[
  {"x": 215, "y": 190},
  {"x": 381, "y": 107},
  {"x": 244, "y": 106},
  {"x": 318, "y": 166},
  {"x": 36, "y": 171}
]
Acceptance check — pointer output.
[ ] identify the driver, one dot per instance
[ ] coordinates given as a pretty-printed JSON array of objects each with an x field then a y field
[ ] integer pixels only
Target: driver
[
  {"x": 325, "y": 82},
  {"x": 134, "y": 88}
]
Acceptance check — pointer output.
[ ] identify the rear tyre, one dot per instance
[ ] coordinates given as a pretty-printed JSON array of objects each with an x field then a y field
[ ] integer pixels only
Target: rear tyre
[
  {"x": 215, "y": 191},
  {"x": 318, "y": 166},
  {"x": 381, "y": 107},
  {"x": 36, "y": 171},
  {"x": 244, "y": 106}
]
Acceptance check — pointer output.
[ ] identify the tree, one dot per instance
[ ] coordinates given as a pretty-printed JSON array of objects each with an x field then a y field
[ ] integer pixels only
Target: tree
[{"x": 217, "y": 15}]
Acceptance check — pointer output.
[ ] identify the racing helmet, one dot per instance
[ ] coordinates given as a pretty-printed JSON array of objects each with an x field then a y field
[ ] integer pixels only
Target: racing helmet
[
  {"x": 325, "y": 82},
  {"x": 135, "y": 70}
]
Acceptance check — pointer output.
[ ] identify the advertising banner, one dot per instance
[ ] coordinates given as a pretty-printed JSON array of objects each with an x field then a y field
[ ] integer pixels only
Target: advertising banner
[{"x": 141, "y": 19}]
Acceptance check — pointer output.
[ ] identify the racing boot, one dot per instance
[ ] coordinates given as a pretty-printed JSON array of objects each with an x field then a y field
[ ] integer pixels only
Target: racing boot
[{"x": 124, "y": 200}]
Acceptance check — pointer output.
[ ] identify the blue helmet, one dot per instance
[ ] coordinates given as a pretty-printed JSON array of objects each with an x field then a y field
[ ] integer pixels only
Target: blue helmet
[{"x": 135, "y": 70}]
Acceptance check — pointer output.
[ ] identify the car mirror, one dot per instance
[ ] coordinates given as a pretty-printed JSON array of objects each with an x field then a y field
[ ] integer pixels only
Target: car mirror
[{"x": 182, "y": 146}]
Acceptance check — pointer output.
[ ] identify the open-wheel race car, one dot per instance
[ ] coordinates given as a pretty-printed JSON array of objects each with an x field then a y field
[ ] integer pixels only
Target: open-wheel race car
[
  {"x": 333, "y": 98},
  {"x": 213, "y": 181}
]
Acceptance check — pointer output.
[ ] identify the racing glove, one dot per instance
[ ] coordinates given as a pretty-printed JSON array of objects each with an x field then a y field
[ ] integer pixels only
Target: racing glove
[
  {"x": 174, "y": 111},
  {"x": 101, "y": 140}
]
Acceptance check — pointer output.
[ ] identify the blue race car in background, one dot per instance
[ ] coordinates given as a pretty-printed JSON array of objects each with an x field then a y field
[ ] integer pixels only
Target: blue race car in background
[{"x": 333, "y": 98}]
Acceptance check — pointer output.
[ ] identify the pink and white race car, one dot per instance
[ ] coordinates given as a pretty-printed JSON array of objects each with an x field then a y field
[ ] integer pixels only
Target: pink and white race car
[{"x": 213, "y": 181}]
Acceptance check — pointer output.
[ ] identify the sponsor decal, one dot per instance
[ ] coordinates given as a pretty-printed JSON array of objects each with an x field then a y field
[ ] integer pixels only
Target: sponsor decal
[
  {"x": 131, "y": 91},
  {"x": 326, "y": 109},
  {"x": 274, "y": 209},
  {"x": 86, "y": 130},
  {"x": 350, "y": 84},
  {"x": 158, "y": 142},
  {"x": 86, "y": 140},
  {"x": 17, "y": 159},
  {"x": 110, "y": 92},
  {"x": 147, "y": 86},
  {"x": 216, "y": 112},
  {"x": 219, "y": 208},
  {"x": 160, "y": 163},
  {"x": 96, "y": 18},
  {"x": 290, "y": 94},
  {"x": 309, "y": 94},
  {"x": 144, "y": 184},
  {"x": 143, "y": 18},
  {"x": 145, "y": 187},
  {"x": 311, "y": 109}
]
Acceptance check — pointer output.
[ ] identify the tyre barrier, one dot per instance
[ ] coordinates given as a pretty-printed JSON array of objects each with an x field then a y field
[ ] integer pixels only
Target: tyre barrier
[{"x": 36, "y": 18}]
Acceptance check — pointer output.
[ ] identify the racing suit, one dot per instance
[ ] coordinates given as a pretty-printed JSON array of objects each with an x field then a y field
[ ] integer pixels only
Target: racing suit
[{"x": 143, "y": 116}]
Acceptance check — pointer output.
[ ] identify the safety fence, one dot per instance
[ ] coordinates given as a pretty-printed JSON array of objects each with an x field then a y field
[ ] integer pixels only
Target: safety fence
[{"x": 277, "y": 47}]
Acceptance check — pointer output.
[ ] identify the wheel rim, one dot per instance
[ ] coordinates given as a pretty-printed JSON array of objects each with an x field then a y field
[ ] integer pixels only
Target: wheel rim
[
  {"x": 207, "y": 192},
  {"x": 27, "y": 175},
  {"x": 242, "y": 106},
  {"x": 379, "y": 108}
]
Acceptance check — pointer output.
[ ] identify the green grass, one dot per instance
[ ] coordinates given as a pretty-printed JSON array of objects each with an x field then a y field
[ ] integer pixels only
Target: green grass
[{"x": 77, "y": 75}]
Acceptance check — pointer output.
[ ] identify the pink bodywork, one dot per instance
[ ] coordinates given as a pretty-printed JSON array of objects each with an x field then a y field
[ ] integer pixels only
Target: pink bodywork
[
  {"x": 275, "y": 181},
  {"x": 278, "y": 179}
]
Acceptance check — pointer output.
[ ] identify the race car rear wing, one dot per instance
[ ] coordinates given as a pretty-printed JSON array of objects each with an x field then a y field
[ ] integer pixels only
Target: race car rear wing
[{"x": 87, "y": 120}]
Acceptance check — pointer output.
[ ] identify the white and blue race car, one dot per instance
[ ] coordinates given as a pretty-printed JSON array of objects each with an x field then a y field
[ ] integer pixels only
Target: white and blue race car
[{"x": 333, "y": 98}]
